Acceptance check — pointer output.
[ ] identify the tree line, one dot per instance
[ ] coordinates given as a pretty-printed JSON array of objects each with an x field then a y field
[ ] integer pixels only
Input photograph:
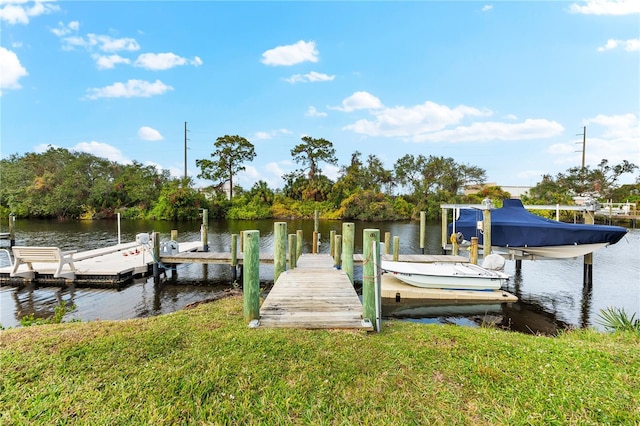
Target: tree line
[{"x": 59, "y": 183}]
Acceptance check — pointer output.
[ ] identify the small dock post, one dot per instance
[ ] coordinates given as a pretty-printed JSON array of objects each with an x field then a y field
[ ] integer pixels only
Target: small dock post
[
  {"x": 337, "y": 255},
  {"x": 587, "y": 276},
  {"x": 12, "y": 229},
  {"x": 332, "y": 240},
  {"x": 473, "y": 256},
  {"x": 444, "y": 228},
  {"x": 234, "y": 257},
  {"x": 348, "y": 234},
  {"x": 299, "y": 242},
  {"x": 316, "y": 237},
  {"x": 251, "y": 276},
  {"x": 387, "y": 243},
  {"x": 396, "y": 248},
  {"x": 423, "y": 227},
  {"x": 454, "y": 245},
  {"x": 280, "y": 249},
  {"x": 370, "y": 277},
  {"x": 486, "y": 228},
  {"x": 293, "y": 256},
  {"x": 204, "y": 230},
  {"x": 156, "y": 255}
]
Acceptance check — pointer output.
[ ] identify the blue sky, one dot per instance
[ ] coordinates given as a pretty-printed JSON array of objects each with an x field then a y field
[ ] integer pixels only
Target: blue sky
[{"x": 503, "y": 85}]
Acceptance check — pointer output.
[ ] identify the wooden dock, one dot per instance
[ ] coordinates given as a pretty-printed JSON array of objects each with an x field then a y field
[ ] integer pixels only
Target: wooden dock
[{"x": 314, "y": 295}]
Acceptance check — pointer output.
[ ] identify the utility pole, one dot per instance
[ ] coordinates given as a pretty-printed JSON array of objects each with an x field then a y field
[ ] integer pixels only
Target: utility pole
[
  {"x": 185, "y": 154},
  {"x": 584, "y": 146}
]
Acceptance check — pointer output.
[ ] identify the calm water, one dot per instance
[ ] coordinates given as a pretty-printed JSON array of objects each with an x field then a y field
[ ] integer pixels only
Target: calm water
[{"x": 551, "y": 292}]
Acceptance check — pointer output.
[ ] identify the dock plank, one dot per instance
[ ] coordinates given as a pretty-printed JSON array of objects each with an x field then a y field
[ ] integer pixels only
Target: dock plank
[{"x": 314, "y": 295}]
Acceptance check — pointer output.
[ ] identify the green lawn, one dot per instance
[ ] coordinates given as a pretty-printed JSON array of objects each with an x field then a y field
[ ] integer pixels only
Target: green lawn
[{"x": 205, "y": 366}]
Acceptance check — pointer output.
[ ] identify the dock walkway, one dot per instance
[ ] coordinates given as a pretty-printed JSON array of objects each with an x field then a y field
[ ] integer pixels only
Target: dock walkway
[{"x": 314, "y": 295}]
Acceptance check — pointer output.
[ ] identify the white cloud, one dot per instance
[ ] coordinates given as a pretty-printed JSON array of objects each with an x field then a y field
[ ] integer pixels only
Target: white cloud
[
  {"x": 11, "y": 70},
  {"x": 292, "y": 54},
  {"x": 130, "y": 89},
  {"x": 262, "y": 135},
  {"x": 102, "y": 150},
  {"x": 104, "y": 43},
  {"x": 311, "y": 77},
  {"x": 149, "y": 134},
  {"x": 63, "y": 30},
  {"x": 632, "y": 45},
  {"x": 491, "y": 131},
  {"x": 44, "y": 147},
  {"x": 164, "y": 61},
  {"x": 618, "y": 126},
  {"x": 313, "y": 112},
  {"x": 331, "y": 171},
  {"x": 109, "y": 62},
  {"x": 606, "y": 7},
  {"x": 19, "y": 13},
  {"x": 487, "y": 7},
  {"x": 359, "y": 100},
  {"x": 414, "y": 122}
]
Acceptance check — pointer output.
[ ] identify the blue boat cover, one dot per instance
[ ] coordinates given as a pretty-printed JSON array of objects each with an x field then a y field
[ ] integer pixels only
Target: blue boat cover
[{"x": 513, "y": 226}]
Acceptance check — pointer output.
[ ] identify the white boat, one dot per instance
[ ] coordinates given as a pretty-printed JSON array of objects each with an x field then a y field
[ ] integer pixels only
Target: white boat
[{"x": 446, "y": 275}]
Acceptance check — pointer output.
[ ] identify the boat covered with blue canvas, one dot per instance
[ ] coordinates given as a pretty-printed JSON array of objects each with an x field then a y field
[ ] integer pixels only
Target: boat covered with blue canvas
[{"x": 514, "y": 228}]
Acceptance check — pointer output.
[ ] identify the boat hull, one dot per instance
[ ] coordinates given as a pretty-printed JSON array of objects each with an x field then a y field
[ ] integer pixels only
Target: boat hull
[{"x": 446, "y": 275}]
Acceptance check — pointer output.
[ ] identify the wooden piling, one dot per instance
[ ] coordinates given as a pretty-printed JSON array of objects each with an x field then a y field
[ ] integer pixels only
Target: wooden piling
[
  {"x": 423, "y": 227},
  {"x": 299, "y": 242},
  {"x": 251, "y": 276},
  {"x": 234, "y": 257},
  {"x": 293, "y": 256},
  {"x": 280, "y": 249},
  {"x": 332, "y": 238},
  {"x": 348, "y": 242},
  {"x": 587, "y": 276},
  {"x": 205, "y": 230},
  {"x": 387, "y": 243},
  {"x": 370, "y": 276},
  {"x": 337, "y": 255},
  {"x": 12, "y": 230},
  {"x": 473, "y": 256},
  {"x": 174, "y": 235},
  {"x": 396, "y": 248},
  {"x": 454, "y": 245},
  {"x": 314, "y": 244},
  {"x": 486, "y": 232},
  {"x": 156, "y": 254}
]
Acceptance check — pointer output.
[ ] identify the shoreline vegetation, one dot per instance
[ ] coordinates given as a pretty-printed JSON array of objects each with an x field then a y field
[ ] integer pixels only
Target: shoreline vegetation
[
  {"x": 68, "y": 185},
  {"x": 205, "y": 365}
]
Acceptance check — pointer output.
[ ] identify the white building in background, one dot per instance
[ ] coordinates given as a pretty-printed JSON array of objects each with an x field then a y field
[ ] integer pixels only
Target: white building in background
[{"x": 515, "y": 191}]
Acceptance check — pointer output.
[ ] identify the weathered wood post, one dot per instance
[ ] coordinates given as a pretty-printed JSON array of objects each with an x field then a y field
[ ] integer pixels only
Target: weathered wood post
[
  {"x": 314, "y": 248},
  {"x": 280, "y": 249},
  {"x": 486, "y": 231},
  {"x": 332, "y": 241},
  {"x": 337, "y": 254},
  {"x": 156, "y": 255},
  {"x": 293, "y": 257},
  {"x": 174, "y": 235},
  {"x": 251, "y": 276},
  {"x": 12, "y": 229},
  {"x": 587, "y": 276},
  {"x": 204, "y": 230},
  {"x": 241, "y": 241},
  {"x": 387, "y": 243},
  {"x": 370, "y": 276},
  {"x": 396, "y": 248},
  {"x": 314, "y": 243},
  {"x": 234, "y": 257},
  {"x": 423, "y": 227},
  {"x": 454, "y": 245},
  {"x": 473, "y": 254},
  {"x": 348, "y": 242},
  {"x": 299, "y": 242}
]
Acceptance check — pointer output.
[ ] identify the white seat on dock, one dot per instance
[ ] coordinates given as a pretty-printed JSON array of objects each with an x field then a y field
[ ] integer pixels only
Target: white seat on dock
[{"x": 30, "y": 255}]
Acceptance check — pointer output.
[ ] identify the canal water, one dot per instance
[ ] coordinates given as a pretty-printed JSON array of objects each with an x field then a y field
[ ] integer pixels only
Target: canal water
[{"x": 551, "y": 294}]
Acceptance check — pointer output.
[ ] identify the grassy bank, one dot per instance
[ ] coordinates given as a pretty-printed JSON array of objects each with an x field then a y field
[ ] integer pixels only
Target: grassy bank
[{"x": 205, "y": 366}]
